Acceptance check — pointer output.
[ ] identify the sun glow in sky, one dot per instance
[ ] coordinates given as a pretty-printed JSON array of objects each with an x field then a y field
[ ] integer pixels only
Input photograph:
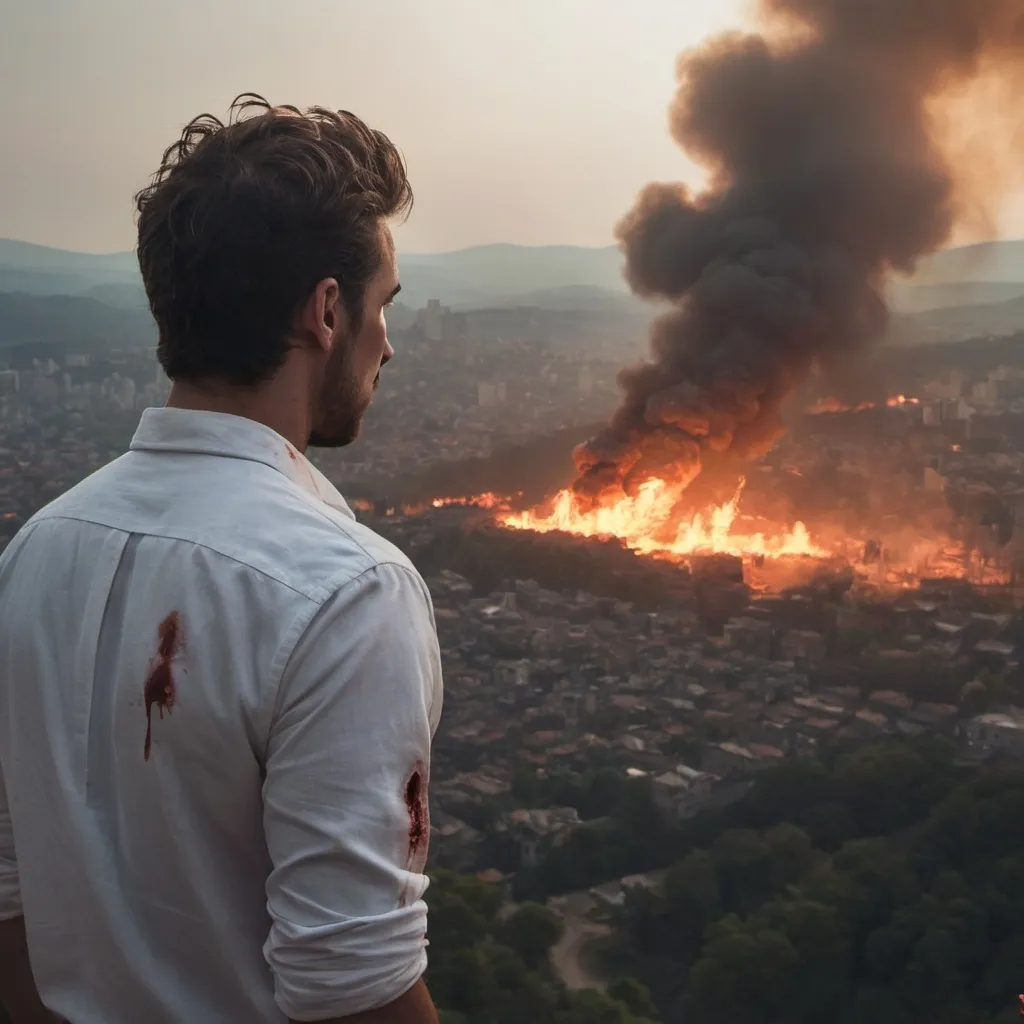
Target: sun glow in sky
[{"x": 533, "y": 122}]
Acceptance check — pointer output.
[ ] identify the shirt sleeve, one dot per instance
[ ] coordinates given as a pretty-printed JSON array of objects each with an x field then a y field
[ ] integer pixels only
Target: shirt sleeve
[
  {"x": 10, "y": 886},
  {"x": 345, "y": 799}
]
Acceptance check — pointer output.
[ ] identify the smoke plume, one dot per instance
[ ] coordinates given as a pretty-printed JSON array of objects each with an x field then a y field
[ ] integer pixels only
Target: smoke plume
[{"x": 834, "y": 162}]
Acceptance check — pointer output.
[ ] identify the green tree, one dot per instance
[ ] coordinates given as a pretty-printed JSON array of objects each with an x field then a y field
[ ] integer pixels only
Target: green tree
[
  {"x": 743, "y": 866},
  {"x": 831, "y": 824},
  {"x": 892, "y": 785},
  {"x": 822, "y": 941},
  {"x": 635, "y": 995},
  {"x": 745, "y": 975},
  {"x": 452, "y": 1017},
  {"x": 605, "y": 790},
  {"x": 790, "y": 855},
  {"x": 878, "y": 1006},
  {"x": 531, "y": 931},
  {"x": 789, "y": 793},
  {"x": 590, "y": 1007}
]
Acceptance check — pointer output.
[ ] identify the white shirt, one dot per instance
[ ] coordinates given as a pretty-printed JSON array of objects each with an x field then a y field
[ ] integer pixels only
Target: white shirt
[{"x": 265, "y": 860}]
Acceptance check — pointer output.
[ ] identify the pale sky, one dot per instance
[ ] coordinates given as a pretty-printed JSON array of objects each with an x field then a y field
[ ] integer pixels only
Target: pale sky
[{"x": 528, "y": 121}]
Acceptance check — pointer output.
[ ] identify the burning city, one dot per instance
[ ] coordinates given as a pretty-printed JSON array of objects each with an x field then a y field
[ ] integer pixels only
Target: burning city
[{"x": 888, "y": 491}]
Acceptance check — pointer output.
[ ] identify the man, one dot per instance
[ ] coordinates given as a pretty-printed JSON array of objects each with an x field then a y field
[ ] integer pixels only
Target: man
[{"x": 217, "y": 690}]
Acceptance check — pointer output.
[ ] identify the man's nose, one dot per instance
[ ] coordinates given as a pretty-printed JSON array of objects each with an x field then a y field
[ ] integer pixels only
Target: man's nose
[{"x": 388, "y": 353}]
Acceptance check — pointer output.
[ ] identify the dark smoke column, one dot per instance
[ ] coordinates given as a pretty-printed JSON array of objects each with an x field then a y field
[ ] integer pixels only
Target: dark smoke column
[{"x": 829, "y": 170}]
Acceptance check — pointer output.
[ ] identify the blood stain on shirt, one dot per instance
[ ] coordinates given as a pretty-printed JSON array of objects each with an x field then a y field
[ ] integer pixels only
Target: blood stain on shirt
[
  {"x": 418, "y": 810},
  {"x": 159, "y": 686},
  {"x": 419, "y": 815}
]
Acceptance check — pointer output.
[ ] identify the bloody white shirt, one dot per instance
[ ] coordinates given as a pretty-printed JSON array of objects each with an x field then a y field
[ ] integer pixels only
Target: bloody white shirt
[{"x": 217, "y": 697}]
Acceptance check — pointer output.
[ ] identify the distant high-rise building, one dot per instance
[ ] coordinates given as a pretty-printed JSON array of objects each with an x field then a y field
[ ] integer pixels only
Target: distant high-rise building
[
  {"x": 431, "y": 320},
  {"x": 43, "y": 388},
  {"x": 126, "y": 393},
  {"x": 489, "y": 395},
  {"x": 950, "y": 388}
]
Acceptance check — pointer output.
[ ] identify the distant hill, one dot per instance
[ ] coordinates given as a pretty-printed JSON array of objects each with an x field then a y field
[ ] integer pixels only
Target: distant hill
[
  {"x": 483, "y": 276},
  {"x": 38, "y": 270},
  {"x": 987, "y": 261},
  {"x": 996, "y": 318},
  {"x": 582, "y": 297},
  {"x": 40, "y": 257},
  {"x": 921, "y": 298},
  {"x": 552, "y": 277},
  {"x": 121, "y": 294},
  {"x": 71, "y": 322}
]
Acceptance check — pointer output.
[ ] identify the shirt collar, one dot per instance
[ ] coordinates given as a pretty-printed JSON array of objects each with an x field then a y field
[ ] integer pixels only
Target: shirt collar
[{"x": 235, "y": 437}]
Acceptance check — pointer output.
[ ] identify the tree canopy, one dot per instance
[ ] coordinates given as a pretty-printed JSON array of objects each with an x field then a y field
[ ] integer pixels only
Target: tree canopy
[{"x": 886, "y": 887}]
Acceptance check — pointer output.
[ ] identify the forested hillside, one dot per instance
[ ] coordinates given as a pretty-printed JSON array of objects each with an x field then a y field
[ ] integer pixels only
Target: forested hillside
[{"x": 884, "y": 888}]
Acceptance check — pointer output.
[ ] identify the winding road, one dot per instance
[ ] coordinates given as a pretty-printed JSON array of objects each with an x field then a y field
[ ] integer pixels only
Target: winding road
[{"x": 567, "y": 955}]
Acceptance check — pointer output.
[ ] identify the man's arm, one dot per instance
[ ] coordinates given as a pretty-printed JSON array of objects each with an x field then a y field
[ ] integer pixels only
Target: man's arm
[
  {"x": 18, "y": 993},
  {"x": 345, "y": 805},
  {"x": 415, "y": 1007}
]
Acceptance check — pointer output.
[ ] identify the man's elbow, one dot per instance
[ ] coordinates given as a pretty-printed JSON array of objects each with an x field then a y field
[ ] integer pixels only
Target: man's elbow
[
  {"x": 347, "y": 971},
  {"x": 414, "y": 1007}
]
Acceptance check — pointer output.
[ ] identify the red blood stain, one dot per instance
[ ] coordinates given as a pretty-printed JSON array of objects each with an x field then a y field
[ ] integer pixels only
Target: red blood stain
[
  {"x": 419, "y": 817},
  {"x": 292, "y": 453},
  {"x": 159, "y": 686},
  {"x": 419, "y": 825}
]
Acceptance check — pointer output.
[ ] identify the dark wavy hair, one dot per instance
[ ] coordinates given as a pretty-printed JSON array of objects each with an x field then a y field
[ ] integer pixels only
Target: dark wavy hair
[{"x": 242, "y": 221}]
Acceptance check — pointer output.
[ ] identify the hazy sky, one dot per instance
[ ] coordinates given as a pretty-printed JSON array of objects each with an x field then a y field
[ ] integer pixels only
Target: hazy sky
[{"x": 530, "y": 121}]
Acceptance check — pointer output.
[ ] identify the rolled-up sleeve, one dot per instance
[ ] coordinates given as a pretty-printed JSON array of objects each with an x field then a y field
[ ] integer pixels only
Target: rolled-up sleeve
[
  {"x": 345, "y": 798},
  {"x": 10, "y": 887}
]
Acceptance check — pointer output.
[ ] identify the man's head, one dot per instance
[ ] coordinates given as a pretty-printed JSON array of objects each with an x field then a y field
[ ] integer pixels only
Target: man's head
[{"x": 266, "y": 256}]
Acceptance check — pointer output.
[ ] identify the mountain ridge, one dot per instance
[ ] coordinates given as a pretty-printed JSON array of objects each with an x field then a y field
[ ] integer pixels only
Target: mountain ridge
[{"x": 507, "y": 274}]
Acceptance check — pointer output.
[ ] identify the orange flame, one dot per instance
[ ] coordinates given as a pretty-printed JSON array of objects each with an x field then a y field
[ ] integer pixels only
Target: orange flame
[
  {"x": 827, "y": 405},
  {"x": 486, "y": 500},
  {"x": 646, "y": 524}
]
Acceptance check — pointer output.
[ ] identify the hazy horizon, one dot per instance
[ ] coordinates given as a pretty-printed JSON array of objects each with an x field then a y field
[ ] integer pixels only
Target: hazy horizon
[{"x": 536, "y": 125}]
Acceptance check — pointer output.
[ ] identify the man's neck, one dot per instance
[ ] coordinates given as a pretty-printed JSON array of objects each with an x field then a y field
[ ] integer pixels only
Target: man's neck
[{"x": 269, "y": 404}]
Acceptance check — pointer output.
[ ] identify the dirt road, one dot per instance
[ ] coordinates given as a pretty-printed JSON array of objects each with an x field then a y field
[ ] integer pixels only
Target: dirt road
[{"x": 566, "y": 956}]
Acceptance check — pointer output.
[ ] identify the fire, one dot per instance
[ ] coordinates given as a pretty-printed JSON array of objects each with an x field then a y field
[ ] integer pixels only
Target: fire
[
  {"x": 486, "y": 500},
  {"x": 833, "y": 405},
  {"x": 647, "y": 524},
  {"x": 827, "y": 405}
]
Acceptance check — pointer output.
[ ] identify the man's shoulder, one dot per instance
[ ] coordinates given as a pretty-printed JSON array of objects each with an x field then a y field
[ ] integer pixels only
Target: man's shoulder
[
  {"x": 246, "y": 514},
  {"x": 357, "y": 549}
]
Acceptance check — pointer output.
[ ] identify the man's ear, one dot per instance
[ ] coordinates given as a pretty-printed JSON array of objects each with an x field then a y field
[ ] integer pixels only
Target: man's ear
[{"x": 321, "y": 316}]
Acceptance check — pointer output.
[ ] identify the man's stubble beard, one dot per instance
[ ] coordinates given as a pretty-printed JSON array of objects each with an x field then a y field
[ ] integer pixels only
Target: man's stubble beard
[{"x": 340, "y": 408}]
